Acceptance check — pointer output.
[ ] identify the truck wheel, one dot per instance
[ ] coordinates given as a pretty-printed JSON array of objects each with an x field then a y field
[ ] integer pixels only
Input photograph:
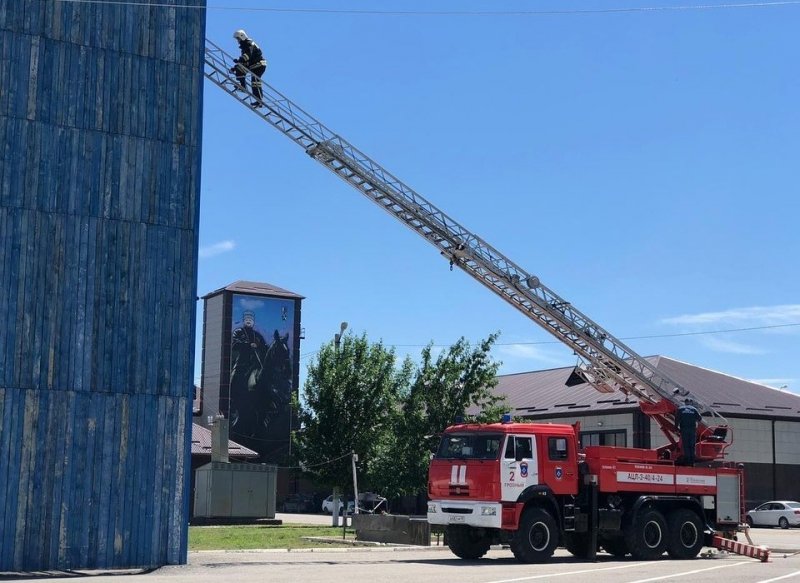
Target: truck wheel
[
  {"x": 466, "y": 542},
  {"x": 646, "y": 536},
  {"x": 576, "y": 543},
  {"x": 537, "y": 537},
  {"x": 685, "y": 534},
  {"x": 615, "y": 547}
]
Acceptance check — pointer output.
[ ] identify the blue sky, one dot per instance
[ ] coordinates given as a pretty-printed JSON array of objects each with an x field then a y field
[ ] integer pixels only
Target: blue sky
[{"x": 643, "y": 164}]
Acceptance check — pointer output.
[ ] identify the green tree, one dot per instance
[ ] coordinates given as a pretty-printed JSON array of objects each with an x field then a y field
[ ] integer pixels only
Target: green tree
[
  {"x": 349, "y": 404},
  {"x": 457, "y": 383}
]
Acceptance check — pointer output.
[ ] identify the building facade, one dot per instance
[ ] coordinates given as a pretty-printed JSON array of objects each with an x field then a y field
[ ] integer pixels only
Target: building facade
[
  {"x": 251, "y": 364},
  {"x": 100, "y": 122}
]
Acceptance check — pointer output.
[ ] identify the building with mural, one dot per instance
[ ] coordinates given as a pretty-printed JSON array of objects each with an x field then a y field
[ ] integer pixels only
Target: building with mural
[{"x": 250, "y": 366}]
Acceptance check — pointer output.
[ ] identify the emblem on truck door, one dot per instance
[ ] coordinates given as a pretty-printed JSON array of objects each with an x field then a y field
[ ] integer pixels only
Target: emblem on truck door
[
  {"x": 523, "y": 469},
  {"x": 559, "y": 473}
]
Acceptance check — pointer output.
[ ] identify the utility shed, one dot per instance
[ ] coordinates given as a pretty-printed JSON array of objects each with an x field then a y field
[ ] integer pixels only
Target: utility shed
[
  {"x": 765, "y": 422},
  {"x": 100, "y": 116}
]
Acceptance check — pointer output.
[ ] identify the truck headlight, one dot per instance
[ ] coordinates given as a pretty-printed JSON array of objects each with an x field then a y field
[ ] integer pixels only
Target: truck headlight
[
  {"x": 488, "y": 511},
  {"x": 431, "y": 507}
]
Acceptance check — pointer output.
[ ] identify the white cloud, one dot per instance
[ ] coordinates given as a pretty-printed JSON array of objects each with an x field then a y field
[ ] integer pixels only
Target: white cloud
[
  {"x": 722, "y": 345},
  {"x": 216, "y": 249},
  {"x": 741, "y": 317}
]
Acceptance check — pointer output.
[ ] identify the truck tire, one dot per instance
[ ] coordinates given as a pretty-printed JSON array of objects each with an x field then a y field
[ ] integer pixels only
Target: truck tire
[
  {"x": 615, "y": 547},
  {"x": 646, "y": 536},
  {"x": 468, "y": 543},
  {"x": 685, "y": 534},
  {"x": 537, "y": 537},
  {"x": 576, "y": 543}
]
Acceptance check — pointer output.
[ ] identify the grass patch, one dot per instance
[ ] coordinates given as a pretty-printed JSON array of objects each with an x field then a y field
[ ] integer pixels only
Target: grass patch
[{"x": 225, "y": 538}]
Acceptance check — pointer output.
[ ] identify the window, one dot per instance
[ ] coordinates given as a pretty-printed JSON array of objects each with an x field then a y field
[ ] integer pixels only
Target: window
[
  {"x": 519, "y": 448},
  {"x": 614, "y": 437},
  {"x": 557, "y": 448},
  {"x": 479, "y": 446}
]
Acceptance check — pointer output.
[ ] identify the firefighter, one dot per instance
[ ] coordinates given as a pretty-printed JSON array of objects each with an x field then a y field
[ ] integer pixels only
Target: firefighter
[
  {"x": 251, "y": 61},
  {"x": 686, "y": 419}
]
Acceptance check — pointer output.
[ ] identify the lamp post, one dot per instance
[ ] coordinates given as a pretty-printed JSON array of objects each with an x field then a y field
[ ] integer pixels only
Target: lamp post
[{"x": 337, "y": 339}]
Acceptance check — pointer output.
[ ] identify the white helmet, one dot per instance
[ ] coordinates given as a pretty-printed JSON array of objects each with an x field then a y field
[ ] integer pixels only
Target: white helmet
[{"x": 240, "y": 35}]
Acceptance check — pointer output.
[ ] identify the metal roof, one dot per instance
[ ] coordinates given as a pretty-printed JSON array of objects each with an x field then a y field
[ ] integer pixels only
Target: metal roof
[
  {"x": 256, "y": 288},
  {"x": 544, "y": 394},
  {"x": 201, "y": 444}
]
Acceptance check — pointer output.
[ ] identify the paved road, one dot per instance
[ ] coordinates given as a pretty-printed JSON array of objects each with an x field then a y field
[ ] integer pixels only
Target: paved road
[{"x": 438, "y": 565}]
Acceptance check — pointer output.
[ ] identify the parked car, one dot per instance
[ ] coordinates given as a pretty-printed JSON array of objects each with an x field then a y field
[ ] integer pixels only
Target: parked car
[
  {"x": 327, "y": 505},
  {"x": 298, "y": 503},
  {"x": 783, "y": 513}
]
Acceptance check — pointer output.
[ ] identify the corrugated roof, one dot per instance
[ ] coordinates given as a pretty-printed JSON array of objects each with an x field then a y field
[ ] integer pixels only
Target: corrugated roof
[
  {"x": 257, "y": 288},
  {"x": 201, "y": 444},
  {"x": 544, "y": 394}
]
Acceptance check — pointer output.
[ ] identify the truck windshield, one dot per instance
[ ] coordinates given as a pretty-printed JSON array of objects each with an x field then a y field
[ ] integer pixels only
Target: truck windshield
[{"x": 469, "y": 446}]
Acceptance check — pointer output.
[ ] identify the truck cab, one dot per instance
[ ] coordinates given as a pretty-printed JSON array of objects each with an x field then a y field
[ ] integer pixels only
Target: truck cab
[{"x": 482, "y": 475}]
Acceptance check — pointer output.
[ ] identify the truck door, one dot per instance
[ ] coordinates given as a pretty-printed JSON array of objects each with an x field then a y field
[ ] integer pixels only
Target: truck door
[
  {"x": 519, "y": 467},
  {"x": 559, "y": 464}
]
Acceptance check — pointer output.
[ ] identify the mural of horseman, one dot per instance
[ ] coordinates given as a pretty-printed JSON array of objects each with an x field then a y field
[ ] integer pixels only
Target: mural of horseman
[
  {"x": 278, "y": 372},
  {"x": 261, "y": 378}
]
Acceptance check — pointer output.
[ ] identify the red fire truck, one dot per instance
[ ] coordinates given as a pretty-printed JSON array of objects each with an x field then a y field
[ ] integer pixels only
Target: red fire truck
[{"x": 529, "y": 484}]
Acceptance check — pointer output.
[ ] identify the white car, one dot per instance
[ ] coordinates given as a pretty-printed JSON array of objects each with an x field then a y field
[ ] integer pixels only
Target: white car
[
  {"x": 327, "y": 505},
  {"x": 783, "y": 513}
]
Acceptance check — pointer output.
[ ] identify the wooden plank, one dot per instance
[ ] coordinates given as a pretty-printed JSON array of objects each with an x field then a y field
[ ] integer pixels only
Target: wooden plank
[
  {"x": 15, "y": 423},
  {"x": 39, "y": 476},
  {"x": 93, "y": 455},
  {"x": 122, "y": 517},
  {"x": 37, "y": 294},
  {"x": 160, "y": 479},
  {"x": 6, "y": 328},
  {"x": 7, "y": 488},
  {"x": 21, "y": 378},
  {"x": 67, "y": 481},
  {"x": 77, "y": 523},
  {"x": 52, "y": 426},
  {"x": 27, "y": 472},
  {"x": 144, "y": 496},
  {"x": 179, "y": 505}
]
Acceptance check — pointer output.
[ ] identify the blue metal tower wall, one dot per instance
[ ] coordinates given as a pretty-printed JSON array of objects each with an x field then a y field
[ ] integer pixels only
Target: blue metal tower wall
[{"x": 100, "y": 130}]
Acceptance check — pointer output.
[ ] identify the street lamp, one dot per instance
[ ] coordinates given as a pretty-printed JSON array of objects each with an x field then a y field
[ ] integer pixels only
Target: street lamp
[{"x": 337, "y": 338}]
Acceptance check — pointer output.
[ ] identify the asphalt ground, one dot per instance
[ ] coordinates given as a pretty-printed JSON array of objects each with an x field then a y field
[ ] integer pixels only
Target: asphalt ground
[
  {"x": 437, "y": 565},
  {"x": 778, "y": 540}
]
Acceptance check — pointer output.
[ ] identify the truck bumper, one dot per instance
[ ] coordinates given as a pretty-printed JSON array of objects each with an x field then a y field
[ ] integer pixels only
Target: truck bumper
[{"x": 477, "y": 514}]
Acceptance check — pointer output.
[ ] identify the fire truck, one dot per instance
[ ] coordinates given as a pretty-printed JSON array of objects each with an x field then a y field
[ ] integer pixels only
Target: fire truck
[{"x": 530, "y": 485}]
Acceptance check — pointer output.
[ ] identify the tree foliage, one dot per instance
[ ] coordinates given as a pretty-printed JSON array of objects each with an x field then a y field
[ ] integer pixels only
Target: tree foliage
[
  {"x": 359, "y": 399},
  {"x": 457, "y": 383},
  {"x": 349, "y": 401}
]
